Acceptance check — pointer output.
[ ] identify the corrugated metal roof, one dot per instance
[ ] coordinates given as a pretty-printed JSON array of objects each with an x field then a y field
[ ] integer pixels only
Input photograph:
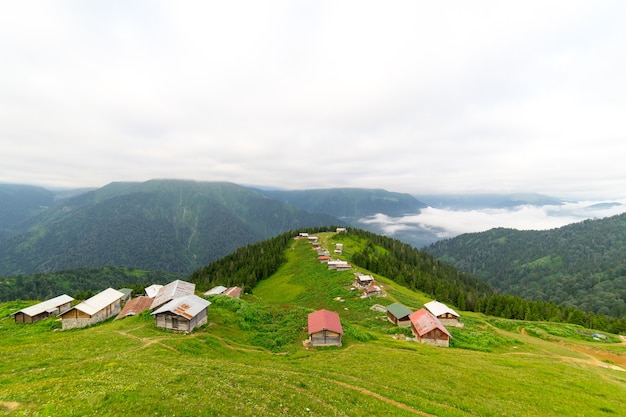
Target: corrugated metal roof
[
  {"x": 423, "y": 321},
  {"x": 216, "y": 290},
  {"x": 135, "y": 306},
  {"x": 188, "y": 306},
  {"x": 439, "y": 309},
  {"x": 153, "y": 290},
  {"x": 234, "y": 292},
  {"x": 96, "y": 303},
  {"x": 324, "y": 320},
  {"x": 47, "y": 305},
  {"x": 398, "y": 310},
  {"x": 174, "y": 289}
]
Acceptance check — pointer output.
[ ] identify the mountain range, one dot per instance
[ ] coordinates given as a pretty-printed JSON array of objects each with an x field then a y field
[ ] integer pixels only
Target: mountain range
[{"x": 169, "y": 225}]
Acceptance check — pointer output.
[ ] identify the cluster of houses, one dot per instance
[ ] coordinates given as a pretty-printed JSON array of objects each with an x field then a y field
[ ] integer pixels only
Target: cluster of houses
[
  {"x": 427, "y": 324},
  {"x": 174, "y": 307}
]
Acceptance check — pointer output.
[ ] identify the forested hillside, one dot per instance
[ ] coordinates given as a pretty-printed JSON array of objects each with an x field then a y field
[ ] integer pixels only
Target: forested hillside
[
  {"x": 79, "y": 283},
  {"x": 350, "y": 204},
  {"x": 167, "y": 225},
  {"x": 581, "y": 265},
  {"x": 18, "y": 203},
  {"x": 406, "y": 266}
]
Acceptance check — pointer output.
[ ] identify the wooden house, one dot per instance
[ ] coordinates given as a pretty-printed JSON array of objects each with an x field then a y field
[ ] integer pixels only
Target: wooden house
[
  {"x": 428, "y": 329},
  {"x": 45, "y": 309},
  {"x": 135, "y": 306},
  {"x": 372, "y": 290},
  {"x": 324, "y": 328},
  {"x": 98, "y": 308},
  {"x": 219, "y": 289},
  {"x": 445, "y": 314},
  {"x": 182, "y": 314},
  {"x": 174, "y": 289},
  {"x": 234, "y": 292},
  {"x": 128, "y": 293},
  {"x": 399, "y": 314},
  {"x": 363, "y": 281}
]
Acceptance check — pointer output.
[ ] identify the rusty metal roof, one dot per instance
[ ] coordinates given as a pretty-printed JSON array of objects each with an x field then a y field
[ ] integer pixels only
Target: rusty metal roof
[
  {"x": 188, "y": 306},
  {"x": 135, "y": 306},
  {"x": 324, "y": 320},
  {"x": 424, "y": 322}
]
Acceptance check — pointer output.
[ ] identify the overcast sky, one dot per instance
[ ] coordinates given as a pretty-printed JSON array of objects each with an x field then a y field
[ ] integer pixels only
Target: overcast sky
[{"x": 410, "y": 96}]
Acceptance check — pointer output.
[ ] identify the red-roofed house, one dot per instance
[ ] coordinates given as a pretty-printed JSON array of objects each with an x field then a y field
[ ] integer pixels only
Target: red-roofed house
[
  {"x": 428, "y": 329},
  {"x": 325, "y": 328}
]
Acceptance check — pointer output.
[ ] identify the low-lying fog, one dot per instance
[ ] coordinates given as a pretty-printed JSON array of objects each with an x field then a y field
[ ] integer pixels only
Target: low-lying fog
[{"x": 432, "y": 224}]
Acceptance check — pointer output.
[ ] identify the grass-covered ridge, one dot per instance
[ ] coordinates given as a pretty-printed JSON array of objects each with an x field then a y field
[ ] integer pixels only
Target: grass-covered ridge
[{"x": 249, "y": 360}]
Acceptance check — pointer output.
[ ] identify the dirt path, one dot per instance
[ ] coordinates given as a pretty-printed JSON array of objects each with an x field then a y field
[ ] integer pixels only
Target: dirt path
[
  {"x": 380, "y": 397},
  {"x": 9, "y": 405}
]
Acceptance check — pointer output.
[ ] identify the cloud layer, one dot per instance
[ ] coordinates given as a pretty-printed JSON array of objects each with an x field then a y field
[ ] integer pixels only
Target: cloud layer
[{"x": 409, "y": 96}]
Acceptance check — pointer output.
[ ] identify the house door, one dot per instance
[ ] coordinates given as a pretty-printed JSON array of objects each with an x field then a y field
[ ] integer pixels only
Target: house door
[{"x": 174, "y": 322}]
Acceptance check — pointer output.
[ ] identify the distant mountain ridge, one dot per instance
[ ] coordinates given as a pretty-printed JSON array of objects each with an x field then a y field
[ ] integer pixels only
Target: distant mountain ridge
[
  {"x": 168, "y": 225},
  {"x": 581, "y": 264},
  {"x": 350, "y": 204}
]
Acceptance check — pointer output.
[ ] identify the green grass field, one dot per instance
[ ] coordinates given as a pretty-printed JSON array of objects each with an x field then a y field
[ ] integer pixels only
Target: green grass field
[{"x": 249, "y": 361}]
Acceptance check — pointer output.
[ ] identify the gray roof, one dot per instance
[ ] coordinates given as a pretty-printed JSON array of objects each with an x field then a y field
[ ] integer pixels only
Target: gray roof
[
  {"x": 174, "y": 289},
  {"x": 99, "y": 301},
  {"x": 48, "y": 305},
  {"x": 188, "y": 306}
]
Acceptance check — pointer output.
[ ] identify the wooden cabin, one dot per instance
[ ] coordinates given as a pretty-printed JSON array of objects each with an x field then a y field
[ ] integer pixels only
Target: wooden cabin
[
  {"x": 372, "y": 290},
  {"x": 98, "y": 308},
  {"x": 43, "y": 310},
  {"x": 363, "y": 281},
  {"x": 182, "y": 314},
  {"x": 428, "y": 329},
  {"x": 445, "y": 314},
  {"x": 135, "y": 306},
  {"x": 174, "y": 289},
  {"x": 399, "y": 314},
  {"x": 324, "y": 328}
]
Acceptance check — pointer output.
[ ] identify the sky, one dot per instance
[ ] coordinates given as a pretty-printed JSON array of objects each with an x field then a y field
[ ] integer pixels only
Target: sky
[{"x": 410, "y": 96}]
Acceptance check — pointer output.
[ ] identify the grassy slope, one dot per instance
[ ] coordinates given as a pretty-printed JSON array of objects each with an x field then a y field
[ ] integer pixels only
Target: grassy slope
[{"x": 250, "y": 361}]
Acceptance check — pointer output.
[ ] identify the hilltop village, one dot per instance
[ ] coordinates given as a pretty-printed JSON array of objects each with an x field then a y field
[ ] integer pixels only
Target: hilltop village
[{"x": 177, "y": 307}]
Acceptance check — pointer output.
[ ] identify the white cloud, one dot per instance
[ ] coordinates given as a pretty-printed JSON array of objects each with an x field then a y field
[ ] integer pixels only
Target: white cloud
[
  {"x": 447, "y": 223},
  {"x": 409, "y": 96}
]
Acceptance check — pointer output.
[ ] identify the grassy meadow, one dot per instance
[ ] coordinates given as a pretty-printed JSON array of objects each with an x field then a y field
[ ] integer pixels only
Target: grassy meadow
[{"x": 249, "y": 360}]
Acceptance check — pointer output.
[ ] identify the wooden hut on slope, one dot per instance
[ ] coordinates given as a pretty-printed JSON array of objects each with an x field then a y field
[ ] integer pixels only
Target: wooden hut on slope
[
  {"x": 445, "y": 314},
  {"x": 324, "y": 328},
  {"x": 182, "y": 314},
  {"x": 98, "y": 308},
  {"x": 174, "y": 289},
  {"x": 399, "y": 314},
  {"x": 45, "y": 309},
  {"x": 428, "y": 329}
]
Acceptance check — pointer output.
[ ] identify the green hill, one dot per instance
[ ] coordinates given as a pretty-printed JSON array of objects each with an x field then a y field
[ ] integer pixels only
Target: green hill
[
  {"x": 167, "y": 225},
  {"x": 249, "y": 359},
  {"x": 581, "y": 265}
]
